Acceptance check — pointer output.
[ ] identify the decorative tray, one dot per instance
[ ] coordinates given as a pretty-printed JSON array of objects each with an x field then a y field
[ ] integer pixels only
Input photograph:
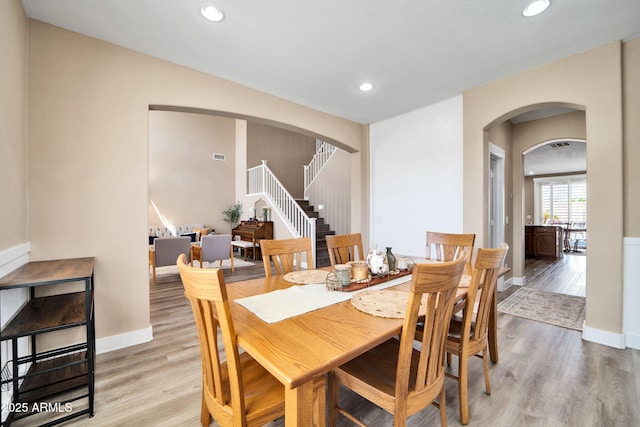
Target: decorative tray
[{"x": 374, "y": 280}]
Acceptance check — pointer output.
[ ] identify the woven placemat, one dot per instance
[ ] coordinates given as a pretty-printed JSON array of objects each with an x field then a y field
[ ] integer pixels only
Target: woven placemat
[
  {"x": 384, "y": 303},
  {"x": 465, "y": 281},
  {"x": 306, "y": 277}
]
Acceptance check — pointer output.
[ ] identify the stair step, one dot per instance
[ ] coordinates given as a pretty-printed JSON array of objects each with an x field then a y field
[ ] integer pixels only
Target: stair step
[
  {"x": 322, "y": 234},
  {"x": 322, "y": 230}
]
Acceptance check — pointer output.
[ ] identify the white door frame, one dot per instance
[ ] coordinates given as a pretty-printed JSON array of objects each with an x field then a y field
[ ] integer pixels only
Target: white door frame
[{"x": 496, "y": 217}]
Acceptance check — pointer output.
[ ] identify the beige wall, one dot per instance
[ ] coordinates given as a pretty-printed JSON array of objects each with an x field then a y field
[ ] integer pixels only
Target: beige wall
[
  {"x": 185, "y": 183},
  {"x": 285, "y": 152},
  {"x": 88, "y": 164},
  {"x": 631, "y": 111},
  {"x": 592, "y": 80},
  {"x": 13, "y": 124},
  {"x": 530, "y": 134}
]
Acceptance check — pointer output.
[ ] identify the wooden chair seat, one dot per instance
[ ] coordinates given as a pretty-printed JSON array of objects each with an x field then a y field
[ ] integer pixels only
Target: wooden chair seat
[
  {"x": 263, "y": 394},
  {"x": 456, "y": 329}
]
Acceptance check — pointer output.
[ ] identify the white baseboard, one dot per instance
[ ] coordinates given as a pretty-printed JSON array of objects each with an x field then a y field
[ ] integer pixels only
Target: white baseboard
[
  {"x": 503, "y": 285},
  {"x": 519, "y": 281},
  {"x": 631, "y": 292},
  {"x": 12, "y": 258},
  {"x": 632, "y": 341},
  {"x": 128, "y": 339},
  {"x": 599, "y": 336}
]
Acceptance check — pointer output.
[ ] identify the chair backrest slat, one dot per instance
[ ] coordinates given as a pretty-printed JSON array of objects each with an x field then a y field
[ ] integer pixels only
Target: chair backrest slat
[
  {"x": 286, "y": 255},
  {"x": 344, "y": 248},
  {"x": 481, "y": 291},
  {"x": 446, "y": 246}
]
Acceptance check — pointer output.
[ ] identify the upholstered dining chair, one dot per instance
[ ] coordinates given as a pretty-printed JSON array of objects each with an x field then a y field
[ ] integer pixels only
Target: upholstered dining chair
[
  {"x": 344, "y": 248},
  {"x": 213, "y": 247},
  {"x": 468, "y": 335},
  {"x": 165, "y": 250},
  {"x": 236, "y": 391},
  {"x": 397, "y": 377},
  {"x": 286, "y": 255},
  {"x": 445, "y": 246}
]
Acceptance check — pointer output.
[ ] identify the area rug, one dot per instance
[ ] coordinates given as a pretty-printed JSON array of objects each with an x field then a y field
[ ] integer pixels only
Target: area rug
[
  {"x": 226, "y": 265},
  {"x": 566, "y": 311}
]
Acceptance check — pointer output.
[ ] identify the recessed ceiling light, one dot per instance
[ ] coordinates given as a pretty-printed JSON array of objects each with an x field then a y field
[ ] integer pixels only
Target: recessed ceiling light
[
  {"x": 536, "y": 7},
  {"x": 366, "y": 87},
  {"x": 211, "y": 12}
]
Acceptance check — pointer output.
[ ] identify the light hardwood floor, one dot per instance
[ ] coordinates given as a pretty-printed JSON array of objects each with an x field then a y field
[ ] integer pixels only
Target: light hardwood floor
[{"x": 546, "y": 376}]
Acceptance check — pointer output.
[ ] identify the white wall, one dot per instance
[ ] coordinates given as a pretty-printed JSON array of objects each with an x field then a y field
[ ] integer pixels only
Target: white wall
[
  {"x": 329, "y": 190},
  {"x": 416, "y": 176}
]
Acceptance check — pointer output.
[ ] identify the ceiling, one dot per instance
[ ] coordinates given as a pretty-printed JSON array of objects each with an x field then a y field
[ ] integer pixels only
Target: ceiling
[
  {"x": 317, "y": 52},
  {"x": 557, "y": 157}
]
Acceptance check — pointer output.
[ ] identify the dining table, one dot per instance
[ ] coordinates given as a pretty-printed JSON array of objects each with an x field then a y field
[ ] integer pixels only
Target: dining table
[{"x": 296, "y": 350}]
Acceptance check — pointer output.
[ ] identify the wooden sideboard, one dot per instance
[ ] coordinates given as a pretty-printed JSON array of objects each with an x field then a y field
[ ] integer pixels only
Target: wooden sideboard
[{"x": 543, "y": 241}]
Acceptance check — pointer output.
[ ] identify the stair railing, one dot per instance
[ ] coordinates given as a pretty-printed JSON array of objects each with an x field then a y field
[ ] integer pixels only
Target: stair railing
[
  {"x": 262, "y": 181},
  {"x": 320, "y": 158}
]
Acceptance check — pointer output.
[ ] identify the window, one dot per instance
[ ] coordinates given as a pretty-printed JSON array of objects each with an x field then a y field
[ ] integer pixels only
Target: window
[{"x": 561, "y": 199}]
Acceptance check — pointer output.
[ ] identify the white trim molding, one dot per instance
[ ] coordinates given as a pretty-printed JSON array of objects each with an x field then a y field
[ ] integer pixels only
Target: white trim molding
[
  {"x": 631, "y": 292},
  {"x": 128, "y": 339},
  {"x": 13, "y": 258},
  {"x": 598, "y": 336}
]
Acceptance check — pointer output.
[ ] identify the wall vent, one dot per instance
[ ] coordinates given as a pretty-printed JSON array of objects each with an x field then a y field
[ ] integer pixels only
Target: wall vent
[
  {"x": 560, "y": 144},
  {"x": 218, "y": 156}
]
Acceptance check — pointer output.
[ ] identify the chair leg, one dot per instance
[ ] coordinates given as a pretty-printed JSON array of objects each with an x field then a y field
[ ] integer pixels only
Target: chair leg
[
  {"x": 463, "y": 398},
  {"x": 205, "y": 417},
  {"x": 485, "y": 362},
  {"x": 443, "y": 408}
]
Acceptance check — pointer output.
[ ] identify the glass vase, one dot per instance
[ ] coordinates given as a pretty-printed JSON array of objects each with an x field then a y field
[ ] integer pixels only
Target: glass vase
[{"x": 391, "y": 260}]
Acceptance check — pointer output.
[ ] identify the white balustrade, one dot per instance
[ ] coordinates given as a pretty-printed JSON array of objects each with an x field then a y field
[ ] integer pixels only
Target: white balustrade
[
  {"x": 322, "y": 156},
  {"x": 263, "y": 182}
]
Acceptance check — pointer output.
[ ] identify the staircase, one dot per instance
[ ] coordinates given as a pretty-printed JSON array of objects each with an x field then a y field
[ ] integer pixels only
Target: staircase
[{"x": 322, "y": 230}]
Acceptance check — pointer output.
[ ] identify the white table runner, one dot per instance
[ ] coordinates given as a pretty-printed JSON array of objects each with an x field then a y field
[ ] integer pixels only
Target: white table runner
[{"x": 282, "y": 304}]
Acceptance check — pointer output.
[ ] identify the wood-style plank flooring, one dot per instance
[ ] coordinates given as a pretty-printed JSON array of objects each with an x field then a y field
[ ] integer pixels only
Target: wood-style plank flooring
[{"x": 546, "y": 376}]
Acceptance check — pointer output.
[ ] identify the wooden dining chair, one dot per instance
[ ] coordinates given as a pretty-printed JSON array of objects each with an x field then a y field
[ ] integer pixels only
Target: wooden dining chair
[
  {"x": 238, "y": 390},
  {"x": 397, "y": 377},
  {"x": 445, "y": 246},
  {"x": 286, "y": 255},
  {"x": 468, "y": 335},
  {"x": 344, "y": 248}
]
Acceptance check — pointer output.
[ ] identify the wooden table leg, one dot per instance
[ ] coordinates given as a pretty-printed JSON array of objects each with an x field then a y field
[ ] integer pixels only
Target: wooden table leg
[
  {"x": 493, "y": 328},
  {"x": 299, "y": 405}
]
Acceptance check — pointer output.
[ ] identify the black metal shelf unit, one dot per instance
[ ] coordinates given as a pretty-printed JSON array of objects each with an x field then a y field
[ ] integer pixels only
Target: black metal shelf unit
[{"x": 55, "y": 379}]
